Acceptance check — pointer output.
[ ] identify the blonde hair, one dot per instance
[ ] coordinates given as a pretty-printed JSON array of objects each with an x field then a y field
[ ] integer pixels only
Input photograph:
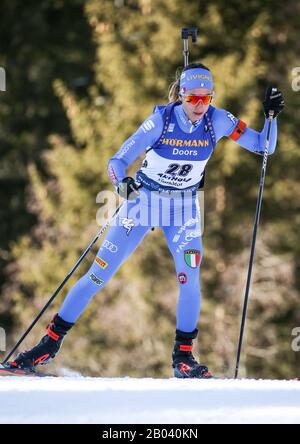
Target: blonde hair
[
  {"x": 173, "y": 93},
  {"x": 174, "y": 88}
]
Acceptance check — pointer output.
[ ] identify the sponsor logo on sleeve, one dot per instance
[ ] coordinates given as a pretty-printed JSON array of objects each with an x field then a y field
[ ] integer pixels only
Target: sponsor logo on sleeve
[
  {"x": 232, "y": 118},
  {"x": 125, "y": 150},
  {"x": 148, "y": 126},
  {"x": 112, "y": 175}
]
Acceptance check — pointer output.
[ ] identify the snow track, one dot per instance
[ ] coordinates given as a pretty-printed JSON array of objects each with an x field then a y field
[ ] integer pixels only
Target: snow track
[{"x": 147, "y": 401}]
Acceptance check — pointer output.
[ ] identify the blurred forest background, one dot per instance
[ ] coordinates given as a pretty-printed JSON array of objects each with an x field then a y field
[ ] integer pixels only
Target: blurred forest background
[{"x": 81, "y": 77}]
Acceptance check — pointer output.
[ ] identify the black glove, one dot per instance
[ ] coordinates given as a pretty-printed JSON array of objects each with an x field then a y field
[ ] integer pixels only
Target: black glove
[
  {"x": 274, "y": 101},
  {"x": 128, "y": 188}
]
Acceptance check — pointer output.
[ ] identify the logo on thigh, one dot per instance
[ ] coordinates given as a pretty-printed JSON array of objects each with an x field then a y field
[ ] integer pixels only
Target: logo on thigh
[
  {"x": 190, "y": 223},
  {"x": 192, "y": 258},
  {"x": 128, "y": 224},
  {"x": 109, "y": 246},
  {"x": 189, "y": 237},
  {"x": 96, "y": 279},
  {"x": 102, "y": 264},
  {"x": 182, "y": 278}
]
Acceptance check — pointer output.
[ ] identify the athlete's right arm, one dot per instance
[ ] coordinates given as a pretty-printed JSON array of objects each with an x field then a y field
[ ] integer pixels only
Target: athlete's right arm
[{"x": 147, "y": 134}]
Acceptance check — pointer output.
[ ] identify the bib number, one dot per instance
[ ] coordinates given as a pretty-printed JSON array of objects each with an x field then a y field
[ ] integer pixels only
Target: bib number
[{"x": 181, "y": 170}]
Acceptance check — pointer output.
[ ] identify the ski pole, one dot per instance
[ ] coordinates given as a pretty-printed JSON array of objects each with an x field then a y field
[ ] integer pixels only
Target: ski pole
[
  {"x": 185, "y": 34},
  {"x": 57, "y": 291},
  {"x": 257, "y": 217}
]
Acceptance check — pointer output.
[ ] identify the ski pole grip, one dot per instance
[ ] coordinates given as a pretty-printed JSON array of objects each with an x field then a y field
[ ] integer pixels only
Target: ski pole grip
[
  {"x": 189, "y": 32},
  {"x": 139, "y": 184},
  {"x": 185, "y": 34}
]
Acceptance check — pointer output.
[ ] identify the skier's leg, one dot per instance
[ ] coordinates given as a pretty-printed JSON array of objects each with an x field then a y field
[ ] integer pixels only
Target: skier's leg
[
  {"x": 186, "y": 249},
  {"x": 121, "y": 240},
  {"x": 118, "y": 244},
  {"x": 185, "y": 244}
]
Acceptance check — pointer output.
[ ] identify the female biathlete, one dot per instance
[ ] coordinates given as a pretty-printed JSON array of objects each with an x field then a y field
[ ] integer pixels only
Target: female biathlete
[{"x": 178, "y": 139}]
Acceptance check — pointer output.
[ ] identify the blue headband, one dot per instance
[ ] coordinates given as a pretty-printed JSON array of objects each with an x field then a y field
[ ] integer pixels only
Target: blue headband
[{"x": 196, "y": 78}]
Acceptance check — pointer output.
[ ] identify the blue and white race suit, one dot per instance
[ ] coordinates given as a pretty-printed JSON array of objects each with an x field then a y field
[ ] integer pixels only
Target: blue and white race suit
[{"x": 170, "y": 173}]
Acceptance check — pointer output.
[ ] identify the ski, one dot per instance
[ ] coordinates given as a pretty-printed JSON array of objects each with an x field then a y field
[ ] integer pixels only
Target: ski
[{"x": 7, "y": 371}]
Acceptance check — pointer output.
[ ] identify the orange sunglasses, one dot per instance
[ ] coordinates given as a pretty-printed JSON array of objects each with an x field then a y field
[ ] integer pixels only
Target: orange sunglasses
[{"x": 194, "y": 99}]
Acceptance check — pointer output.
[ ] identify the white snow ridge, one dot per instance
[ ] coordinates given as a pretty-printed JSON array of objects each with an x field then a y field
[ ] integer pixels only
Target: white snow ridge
[{"x": 79, "y": 400}]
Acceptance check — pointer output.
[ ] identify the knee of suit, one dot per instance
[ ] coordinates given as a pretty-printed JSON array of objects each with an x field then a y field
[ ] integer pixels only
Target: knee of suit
[
  {"x": 192, "y": 288},
  {"x": 102, "y": 271},
  {"x": 188, "y": 278},
  {"x": 89, "y": 284},
  {"x": 190, "y": 293}
]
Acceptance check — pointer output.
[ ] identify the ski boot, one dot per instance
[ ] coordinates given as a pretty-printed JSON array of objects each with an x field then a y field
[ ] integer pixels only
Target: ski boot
[
  {"x": 46, "y": 349},
  {"x": 184, "y": 364}
]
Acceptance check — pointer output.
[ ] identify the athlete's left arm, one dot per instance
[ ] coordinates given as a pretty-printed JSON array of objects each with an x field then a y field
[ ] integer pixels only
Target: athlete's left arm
[{"x": 227, "y": 125}]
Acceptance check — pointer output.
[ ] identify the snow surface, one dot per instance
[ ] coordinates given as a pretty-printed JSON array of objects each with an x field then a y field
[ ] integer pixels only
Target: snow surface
[{"x": 147, "y": 401}]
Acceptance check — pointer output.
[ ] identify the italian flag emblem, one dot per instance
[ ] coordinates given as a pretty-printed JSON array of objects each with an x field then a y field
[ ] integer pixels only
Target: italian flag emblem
[{"x": 192, "y": 258}]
